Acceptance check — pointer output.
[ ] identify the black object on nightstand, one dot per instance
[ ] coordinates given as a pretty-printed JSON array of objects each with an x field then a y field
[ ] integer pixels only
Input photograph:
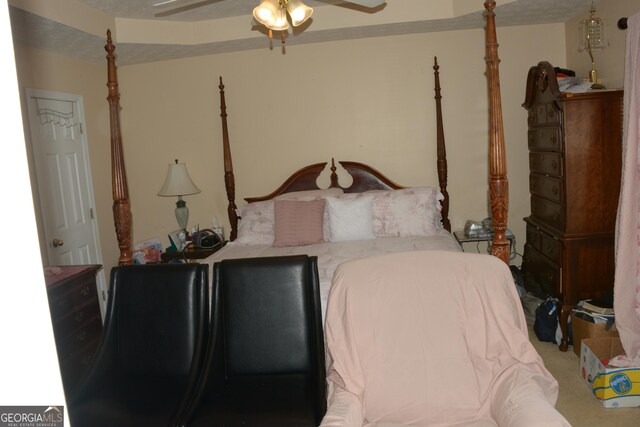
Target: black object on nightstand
[{"x": 189, "y": 255}]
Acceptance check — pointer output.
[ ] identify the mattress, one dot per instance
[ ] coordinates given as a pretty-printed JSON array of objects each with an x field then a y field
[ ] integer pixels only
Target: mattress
[{"x": 332, "y": 254}]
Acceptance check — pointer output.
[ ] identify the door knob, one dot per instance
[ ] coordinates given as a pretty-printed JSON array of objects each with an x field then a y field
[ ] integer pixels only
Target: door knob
[{"x": 57, "y": 242}]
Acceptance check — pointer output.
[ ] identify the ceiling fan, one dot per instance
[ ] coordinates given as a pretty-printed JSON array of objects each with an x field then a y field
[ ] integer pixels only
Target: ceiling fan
[{"x": 270, "y": 13}]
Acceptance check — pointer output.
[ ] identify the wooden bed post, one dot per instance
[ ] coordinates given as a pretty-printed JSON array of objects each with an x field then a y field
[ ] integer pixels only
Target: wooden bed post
[
  {"x": 441, "y": 149},
  {"x": 229, "y": 179},
  {"x": 121, "y": 208},
  {"x": 498, "y": 183}
]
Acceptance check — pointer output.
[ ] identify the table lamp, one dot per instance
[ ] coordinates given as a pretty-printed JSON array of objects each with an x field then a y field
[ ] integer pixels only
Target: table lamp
[{"x": 179, "y": 183}]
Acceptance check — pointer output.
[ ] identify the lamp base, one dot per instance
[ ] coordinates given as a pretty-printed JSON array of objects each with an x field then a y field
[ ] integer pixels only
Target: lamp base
[{"x": 182, "y": 213}]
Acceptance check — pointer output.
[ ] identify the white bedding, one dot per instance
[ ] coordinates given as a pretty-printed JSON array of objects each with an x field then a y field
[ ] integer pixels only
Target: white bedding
[{"x": 332, "y": 254}]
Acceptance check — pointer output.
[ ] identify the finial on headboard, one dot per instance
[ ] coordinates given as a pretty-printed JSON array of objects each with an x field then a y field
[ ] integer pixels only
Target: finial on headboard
[{"x": 334, "y": 175}]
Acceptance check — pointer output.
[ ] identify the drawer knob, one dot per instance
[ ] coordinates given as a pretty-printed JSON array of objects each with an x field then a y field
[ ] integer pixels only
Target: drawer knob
[{"x": 84, "y": 291}]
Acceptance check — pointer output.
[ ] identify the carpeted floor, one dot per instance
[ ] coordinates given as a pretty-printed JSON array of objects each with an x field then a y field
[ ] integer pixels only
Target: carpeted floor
[{"x": 575, "y": 401}]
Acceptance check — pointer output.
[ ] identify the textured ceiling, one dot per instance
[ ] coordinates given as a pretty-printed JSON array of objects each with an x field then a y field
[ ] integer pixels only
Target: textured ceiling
[{"x": 44, "y": 33}]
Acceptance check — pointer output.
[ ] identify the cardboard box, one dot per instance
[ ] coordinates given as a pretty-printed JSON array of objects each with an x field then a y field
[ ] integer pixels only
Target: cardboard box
[
  {"x": 614, "y": 387},
  {"x": 583, "y": 329}
]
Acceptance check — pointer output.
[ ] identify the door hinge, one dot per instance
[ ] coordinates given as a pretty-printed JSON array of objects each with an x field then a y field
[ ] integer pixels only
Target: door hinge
[
  {"x": 104, "y": 295},
  {"x": 91, "y": 213},
  {"x": 81, "y": 128}
]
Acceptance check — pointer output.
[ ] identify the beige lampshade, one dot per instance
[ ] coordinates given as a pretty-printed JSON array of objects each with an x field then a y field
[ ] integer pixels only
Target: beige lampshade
[
  {"x": 281, "y": 22},
  {"x": 178, "y": 182},
  {"x": 266, "y": 12},
  {"x": 299, "y": 12}
]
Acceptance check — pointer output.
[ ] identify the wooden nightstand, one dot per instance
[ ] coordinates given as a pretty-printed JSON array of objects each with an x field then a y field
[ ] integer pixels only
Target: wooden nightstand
[{"x": 190, "y": 255}]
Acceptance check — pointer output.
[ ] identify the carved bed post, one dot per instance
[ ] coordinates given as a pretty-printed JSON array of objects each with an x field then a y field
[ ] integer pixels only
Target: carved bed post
[
  {"x": 441, "y": 149},
  {"x": 229, "y": 179},
  {"x": 121, "y": 208},
  {"x": 498, "y": 183}
]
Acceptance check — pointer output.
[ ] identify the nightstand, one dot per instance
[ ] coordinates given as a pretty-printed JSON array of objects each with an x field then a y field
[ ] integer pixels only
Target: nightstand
[
  {"x": 462, "y": 238},
  {"x": 190, "y": 255}
]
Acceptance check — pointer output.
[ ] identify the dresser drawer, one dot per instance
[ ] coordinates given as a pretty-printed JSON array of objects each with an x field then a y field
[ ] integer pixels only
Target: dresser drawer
[
  {"x": 64, "y": 299},
  {"x": 546, "y": 138},
  {"x": 73, "y": 367},
  {"x": 542, "y": 271},
  {"x": 547, "y": 187},
  {"x": 551, "y": 248},
  {"x": 544, "y": 114},
  {"x": 71, "y": 344},
  {"x": 83, "y": 315},
  {"x": 534, "y": 237},
  {"x": 547, "y": 211},
  {"x": 546, "y": 163}
]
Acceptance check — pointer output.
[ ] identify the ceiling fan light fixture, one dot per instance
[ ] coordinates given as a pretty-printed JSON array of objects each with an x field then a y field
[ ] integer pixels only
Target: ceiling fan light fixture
[
  {"x": 273, "y": 13},
  {"x": 299, "y": 12}
]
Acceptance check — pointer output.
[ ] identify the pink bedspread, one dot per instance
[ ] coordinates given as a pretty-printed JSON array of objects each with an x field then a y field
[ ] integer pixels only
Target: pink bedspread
[{"x": 432, "y": 338}]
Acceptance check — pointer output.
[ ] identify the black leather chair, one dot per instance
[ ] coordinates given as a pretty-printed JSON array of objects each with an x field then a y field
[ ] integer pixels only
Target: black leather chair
[
  {"x": 152, "y": 348},
  {"x": 265, "y": 361}
]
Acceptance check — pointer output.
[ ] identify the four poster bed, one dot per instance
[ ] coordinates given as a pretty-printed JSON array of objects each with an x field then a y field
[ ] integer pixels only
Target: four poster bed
[{"x": 370, "y": 192}]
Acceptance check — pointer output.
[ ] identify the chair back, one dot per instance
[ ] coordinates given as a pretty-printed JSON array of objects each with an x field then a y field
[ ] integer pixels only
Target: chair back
[
  {"x": 157, "y": 314},
  {"x": 268, "y": 313}
]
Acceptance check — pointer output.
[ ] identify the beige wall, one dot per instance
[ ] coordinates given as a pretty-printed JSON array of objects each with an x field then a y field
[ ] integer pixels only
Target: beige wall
[
  {"x": 369, "y": 100},
  {"x": 610, "y": 61}
]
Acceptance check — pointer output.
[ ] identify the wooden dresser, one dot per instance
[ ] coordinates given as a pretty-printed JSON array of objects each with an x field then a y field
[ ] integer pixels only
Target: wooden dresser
[
  {"x": 75, "y": 314},
  {"x": 575, "y": 155}
]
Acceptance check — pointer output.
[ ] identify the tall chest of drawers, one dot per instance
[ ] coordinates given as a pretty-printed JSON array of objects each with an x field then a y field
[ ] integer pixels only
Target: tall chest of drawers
[
  {"x": 575, "y": 152},
  {"x": 76, "y": 319}
]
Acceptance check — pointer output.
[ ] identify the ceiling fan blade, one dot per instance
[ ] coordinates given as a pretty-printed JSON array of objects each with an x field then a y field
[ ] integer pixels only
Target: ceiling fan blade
[
  {"x": 164, "y": 3},
  {"x": 366, "y": 3}
]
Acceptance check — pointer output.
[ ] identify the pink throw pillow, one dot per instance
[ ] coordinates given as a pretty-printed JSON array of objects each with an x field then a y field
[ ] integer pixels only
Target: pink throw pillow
[{"x": 298, "y": 223}]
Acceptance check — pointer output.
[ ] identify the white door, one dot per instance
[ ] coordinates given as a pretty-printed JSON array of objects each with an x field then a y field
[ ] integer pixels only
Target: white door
[{"x": 63, "y": 176}]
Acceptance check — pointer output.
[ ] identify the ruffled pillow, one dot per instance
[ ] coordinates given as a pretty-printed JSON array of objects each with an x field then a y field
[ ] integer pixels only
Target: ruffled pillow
[{"x": 257, "y": 223}]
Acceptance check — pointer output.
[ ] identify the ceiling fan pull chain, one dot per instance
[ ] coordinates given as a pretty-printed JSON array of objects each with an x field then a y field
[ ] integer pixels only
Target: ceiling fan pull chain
[
  {"x": 270, "y": 34},
  {"x": 282, "y": 37}
]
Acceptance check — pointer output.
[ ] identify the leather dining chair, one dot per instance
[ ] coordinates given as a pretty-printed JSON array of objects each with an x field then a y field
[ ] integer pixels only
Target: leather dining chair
[
  {"x": 265, "y": 360},
  {"x": 152, "y": 349}
]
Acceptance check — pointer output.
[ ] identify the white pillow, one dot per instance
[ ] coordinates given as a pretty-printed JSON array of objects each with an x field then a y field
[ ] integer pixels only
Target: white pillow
[
  {"x": 407, "y": 212},
  {"x": 350, "y": 219},
  {"x": 257, "y": 223}
]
